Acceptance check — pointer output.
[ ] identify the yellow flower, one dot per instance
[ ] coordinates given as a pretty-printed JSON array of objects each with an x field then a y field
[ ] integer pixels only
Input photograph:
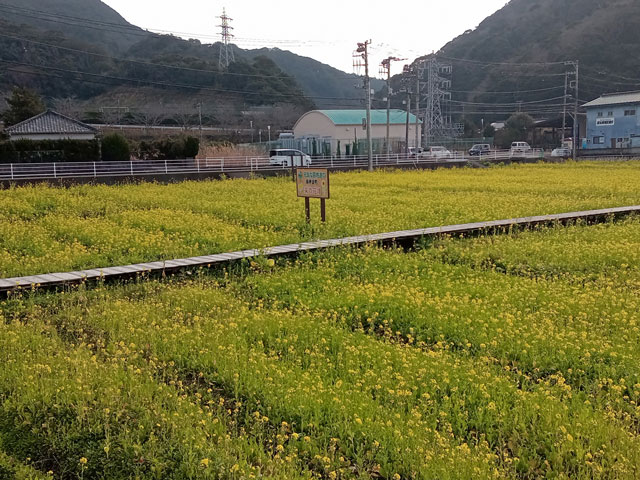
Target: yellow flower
[
  {"x": 204, "y": 462},
  {"x": 83, "y": 461}
]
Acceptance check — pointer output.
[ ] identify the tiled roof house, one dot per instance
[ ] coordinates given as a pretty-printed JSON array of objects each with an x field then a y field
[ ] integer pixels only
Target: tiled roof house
[{"x": 51, "y": 125}]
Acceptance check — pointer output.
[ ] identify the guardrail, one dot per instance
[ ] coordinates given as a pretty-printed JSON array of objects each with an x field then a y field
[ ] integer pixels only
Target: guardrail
[{"x": 61, "y": 170}]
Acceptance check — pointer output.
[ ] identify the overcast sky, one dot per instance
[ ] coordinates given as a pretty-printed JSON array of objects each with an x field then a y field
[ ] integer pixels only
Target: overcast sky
[{"x": 326, "y": 30}]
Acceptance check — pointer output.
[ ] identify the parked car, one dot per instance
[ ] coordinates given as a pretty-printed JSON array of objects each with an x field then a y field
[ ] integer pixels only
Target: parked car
[
  {"x": 562, "y": 152},
  {"x": 480, "y": 149},
  {"x": 413, "y": 150},
  {"x": 289, "y": 158},
  {"x": 437, "y": 152},
  {"x": 520, "y": 148}
]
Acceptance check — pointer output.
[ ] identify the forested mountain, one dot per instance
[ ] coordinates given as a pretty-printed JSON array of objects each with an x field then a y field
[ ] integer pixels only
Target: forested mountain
[
  {"x": 515, "y": 58},
  {"x": 602, "y": 35},
  {"x": 328, "y": 86},
  {"x": 88, "y": 21},
  {"x": 43, "y": 45}
]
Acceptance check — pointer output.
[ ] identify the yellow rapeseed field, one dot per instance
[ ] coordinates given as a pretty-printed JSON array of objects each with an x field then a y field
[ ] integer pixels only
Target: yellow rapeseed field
[
  {"x": 497, "y": 357},
  {"x": 45, "y": 229}
]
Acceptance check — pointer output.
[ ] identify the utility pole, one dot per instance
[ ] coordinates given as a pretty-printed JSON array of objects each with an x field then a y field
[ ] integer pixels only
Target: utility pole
[
  {"x": 405, "y": 73},
  {"x": 576, "y": 122},
  {"x": 251, "y": 123},
  {"x": 200, "y": 118},
  {"x": 564, "y": 108},
  {"x": 418, "y": 132},
  {"x": 406, "y": 137},
  {"x": 386, "y": 70},
  {"x": 363, "y": 52},
  {"x": 575, "y": 85}
]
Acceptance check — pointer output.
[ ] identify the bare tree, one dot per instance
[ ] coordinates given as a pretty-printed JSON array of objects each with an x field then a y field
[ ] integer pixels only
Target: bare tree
[
  {"x": 70, "y": 107},
  {"x": 184, "y": 117},
  {"x": 150, "y": 116}
]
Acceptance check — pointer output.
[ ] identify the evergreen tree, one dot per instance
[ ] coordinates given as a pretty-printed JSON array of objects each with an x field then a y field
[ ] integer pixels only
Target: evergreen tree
[{"x": 23, "y": 104}]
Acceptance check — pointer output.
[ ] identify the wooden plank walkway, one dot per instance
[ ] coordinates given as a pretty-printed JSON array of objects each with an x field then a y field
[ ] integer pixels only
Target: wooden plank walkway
[{"x": 207, "y": 261}]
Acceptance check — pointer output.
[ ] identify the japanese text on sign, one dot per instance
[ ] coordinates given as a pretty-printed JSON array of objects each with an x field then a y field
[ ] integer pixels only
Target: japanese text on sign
[{"x": 313, "y": 182}]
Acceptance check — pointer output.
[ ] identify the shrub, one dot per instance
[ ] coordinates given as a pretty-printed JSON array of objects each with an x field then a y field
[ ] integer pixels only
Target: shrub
[
  {"x": 115, "y": 148},
  {"x": 29, "y": 151},
  {"x": 191, "y": 147}
]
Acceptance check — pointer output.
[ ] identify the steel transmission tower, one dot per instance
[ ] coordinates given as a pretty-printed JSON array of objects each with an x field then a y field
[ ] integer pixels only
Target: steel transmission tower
[
  {"x": 437, "y": 94},
  {"x": 226, "y": 49}
]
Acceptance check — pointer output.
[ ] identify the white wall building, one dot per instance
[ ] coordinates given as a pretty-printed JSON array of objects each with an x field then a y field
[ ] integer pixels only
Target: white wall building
[{"x": 346, "y": 126}]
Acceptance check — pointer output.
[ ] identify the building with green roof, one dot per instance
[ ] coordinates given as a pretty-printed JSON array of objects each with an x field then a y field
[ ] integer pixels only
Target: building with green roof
[{"x": 346, "y": 128}]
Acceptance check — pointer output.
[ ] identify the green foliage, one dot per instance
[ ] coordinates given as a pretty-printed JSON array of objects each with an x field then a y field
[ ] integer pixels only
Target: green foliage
[
  {"x": 115, "y": 148},
  {"x": 489, "y": 131},
  {"x": 520, "y": 122},
  {"x": 30, "y": 151},
  {"x": 191, "y": 147},
  {"x": 265, "y": 83},
  {"x": 169, "y": 148},
  {"x": 22, "y": 104},
  {"x": 517, "y": 129}
]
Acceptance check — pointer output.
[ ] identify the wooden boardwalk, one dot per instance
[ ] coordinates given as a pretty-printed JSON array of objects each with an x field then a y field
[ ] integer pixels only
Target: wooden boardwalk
[{"x": 209, "y": 261}]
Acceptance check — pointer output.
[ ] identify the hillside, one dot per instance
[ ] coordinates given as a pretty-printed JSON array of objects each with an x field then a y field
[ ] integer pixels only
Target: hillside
[
  {"x": 603, "y": 36},
  {"x": 327, "y": 86},
  {"x": 88, "y": 21},
  {"x": 90, "y": 25}
]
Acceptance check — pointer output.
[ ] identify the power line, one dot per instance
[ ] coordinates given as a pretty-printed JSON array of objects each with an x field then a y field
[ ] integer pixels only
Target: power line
[
  {"x": 139, "y": 62},
  {"x": 169, "y": 84},
  {"x": 134, "y": 30},
  {"x": 609, "y": 82},
  {"x": 507, "y": 104},
  {"x": 508, "y": 93},
  {"x": 514, "y": 64}
]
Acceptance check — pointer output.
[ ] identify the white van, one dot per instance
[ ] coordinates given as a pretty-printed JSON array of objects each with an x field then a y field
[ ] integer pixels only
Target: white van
[
  {"x": 437, "y": 152},
  {"x": 286, "y": 157},
  {"x": 520, "y": 148}
]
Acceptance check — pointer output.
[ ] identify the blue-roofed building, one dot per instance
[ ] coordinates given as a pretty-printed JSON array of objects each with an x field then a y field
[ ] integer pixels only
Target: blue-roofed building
[
  {"x": 328, "y": 127},
  {"x": 613, "y": 121}
]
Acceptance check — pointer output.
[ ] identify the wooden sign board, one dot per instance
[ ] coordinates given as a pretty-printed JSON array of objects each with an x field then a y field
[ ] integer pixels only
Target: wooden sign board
[{"x": 312, "y": 182}]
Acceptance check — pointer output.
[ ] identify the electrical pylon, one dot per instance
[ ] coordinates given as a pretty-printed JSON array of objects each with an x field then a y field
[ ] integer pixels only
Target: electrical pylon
[{"x": 226, "y": 49}]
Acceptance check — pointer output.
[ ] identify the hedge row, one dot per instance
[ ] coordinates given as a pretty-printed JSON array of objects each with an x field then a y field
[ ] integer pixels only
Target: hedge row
[
  {"x": 113, "y": 147},
  {"x": 30, "y": 151}
]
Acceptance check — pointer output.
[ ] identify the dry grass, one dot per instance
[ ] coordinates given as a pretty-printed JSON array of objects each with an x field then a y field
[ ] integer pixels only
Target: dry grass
[{"x": 227, "y": 149}]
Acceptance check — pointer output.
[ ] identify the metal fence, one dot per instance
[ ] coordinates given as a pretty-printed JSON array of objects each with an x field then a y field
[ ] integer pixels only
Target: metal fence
[{"x": 61, "y": 170}]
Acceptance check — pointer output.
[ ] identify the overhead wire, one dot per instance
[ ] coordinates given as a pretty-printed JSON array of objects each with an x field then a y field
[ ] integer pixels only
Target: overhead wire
[
  {"x": 139, "y": 62},
  {"x": 164, "y": 84}
]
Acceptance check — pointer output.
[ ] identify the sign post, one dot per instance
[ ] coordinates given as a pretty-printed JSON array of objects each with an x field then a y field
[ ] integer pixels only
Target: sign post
[{"x": 313, "y": 183}]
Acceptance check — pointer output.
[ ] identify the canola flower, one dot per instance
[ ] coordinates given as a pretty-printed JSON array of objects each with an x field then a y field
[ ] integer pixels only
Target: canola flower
[
  {"x": 44, "y": 229},
  {"x": 512, "y": 356},
  {"x": 580, "y": 334},
  {"x": 14, "y": 469},
  {"x": 386, "y": 363}
]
